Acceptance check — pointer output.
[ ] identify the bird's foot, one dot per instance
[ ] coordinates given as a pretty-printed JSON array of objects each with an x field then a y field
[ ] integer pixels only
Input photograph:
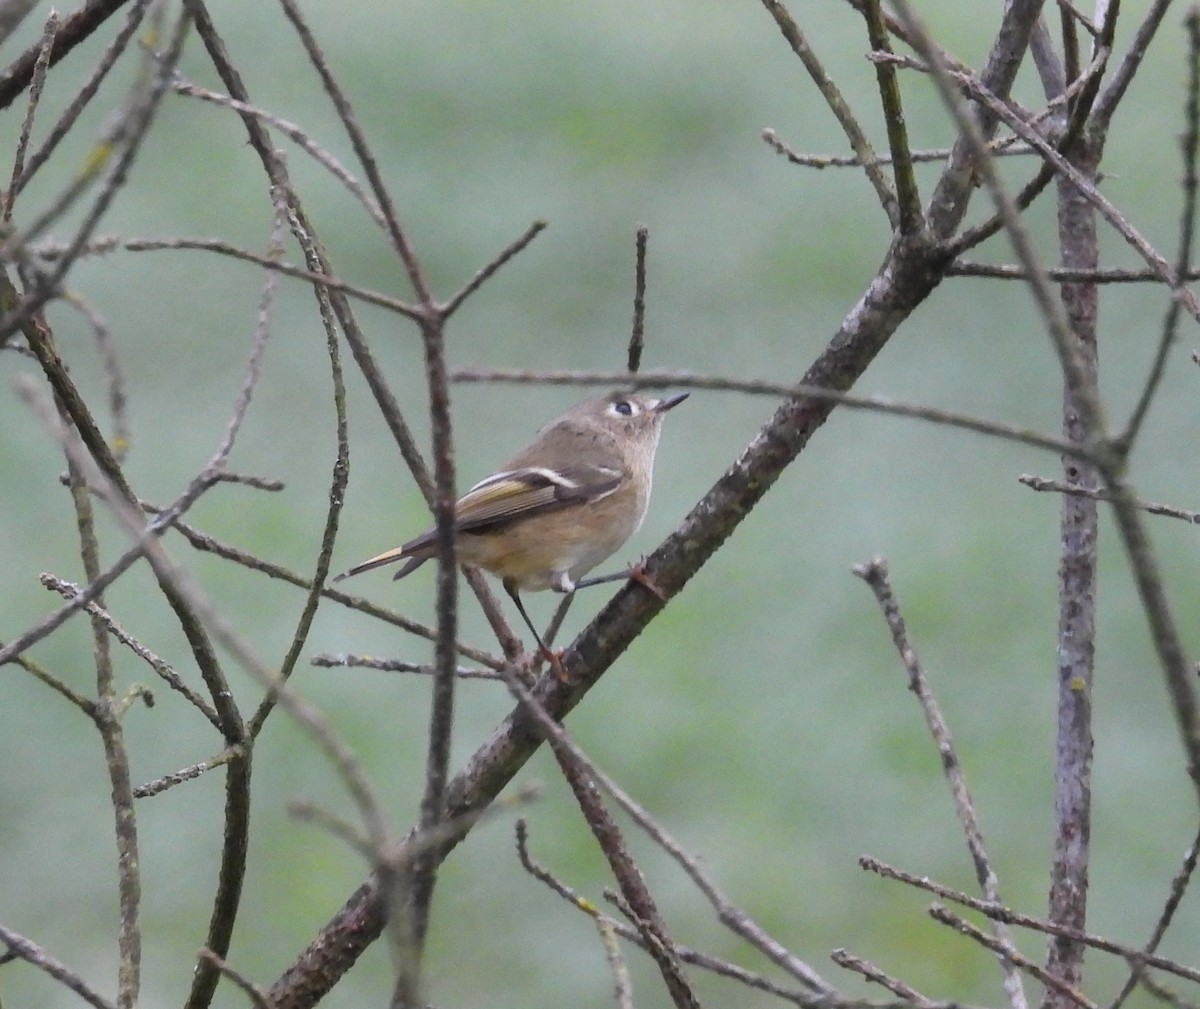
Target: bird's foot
[{"x": 637, "y": 573}]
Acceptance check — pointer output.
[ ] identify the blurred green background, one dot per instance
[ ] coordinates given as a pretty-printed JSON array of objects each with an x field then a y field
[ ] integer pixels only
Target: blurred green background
[{"x": 764, "y": 717}]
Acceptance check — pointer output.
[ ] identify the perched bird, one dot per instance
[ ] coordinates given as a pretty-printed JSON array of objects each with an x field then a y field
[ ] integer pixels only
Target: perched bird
[{"x": 557, "y": 508}]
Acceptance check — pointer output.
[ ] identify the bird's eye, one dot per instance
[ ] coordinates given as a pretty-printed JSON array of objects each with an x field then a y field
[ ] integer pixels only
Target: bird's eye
[{"x": 624, "y": 408}]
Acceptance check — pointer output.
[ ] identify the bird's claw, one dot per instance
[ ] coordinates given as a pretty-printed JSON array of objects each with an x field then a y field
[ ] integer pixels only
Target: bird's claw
[{"x": 638, "y": 574}]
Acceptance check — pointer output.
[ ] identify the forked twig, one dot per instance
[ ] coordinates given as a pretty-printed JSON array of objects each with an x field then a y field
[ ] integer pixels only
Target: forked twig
[
  {"x": 1006, "y": 952},
  {"x": 875, "y": 574},
  {"x": 732, "y": 917}
]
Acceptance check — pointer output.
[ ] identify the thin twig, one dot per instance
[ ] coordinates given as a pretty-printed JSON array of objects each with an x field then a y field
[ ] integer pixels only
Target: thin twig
[
  {"x": 1110, "y": 99},
  {"x": 1010, "y": 271},
  {"x": 838, "y": 106},
  {"x": 106, "y": 350},
  {"x": 345, "y": 661},
  {"x": 160, "y": 785},
  {"x": 33, "y": 954},
  {"x": 37, "y": 82},
  {"x": 637, "y": 334},
  {"x": 1001, "y": 912},
  {"x": 223, "y": 248},
  {"x": 257, "y": 995},
  {"x": 1165, "y": 994},
  {"x": 1005, "y": 147},
  {"x": 690, "y": 380},
  {"x": 44, "y": 676},
  {"x": 209, "y": 544},
  {"x": 1051, "y": 981},
  {"x": 951, "y": 197},
  {"x": 578, "y": 771},
  {"x": 1157, "y": 263},
  {"x": 294, "y": 133},
  {"x": 69, "y": 590},
  {"x": 499, "y": 260},
  {"x": 362, "y": 150},
  {"x": 340, "y": 475},
  {"x": 1190, "y": 142},
  {"x": 77, "y": 28},
  {"x": 630, "y": 934},
  {"x": 731, "y": 916},
  {"x": 119, "y": 147},
  {"x": 1179, "y": 885},
  {"x": 910, "y": 995},
  {"x": 84, "y": 95},
  {"x": 622, "y": 984},
  {"x": 1058, "y": 486},
  {"x": 1077, "y": 15},
  {"x": 908, "y": 198},
  {"x": 875, "y": 574}
]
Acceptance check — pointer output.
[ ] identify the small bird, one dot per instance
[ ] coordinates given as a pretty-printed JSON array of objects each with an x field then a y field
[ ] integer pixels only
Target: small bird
[{"x": 557, "y": 508}]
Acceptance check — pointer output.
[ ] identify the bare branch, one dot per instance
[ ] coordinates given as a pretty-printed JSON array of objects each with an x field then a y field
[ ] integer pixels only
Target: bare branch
[
  {"x": 1051, "y": 981},
  {"x": 838, "y": 106},
  {"x": 160, "y": 785},
  {"x": 33, "y": 954},
  {"x": 875, "y": 574},
  {"x": 1041, "y": 484},
  {"x": 37, "y": 82},
  {"x": 950, "y": 199},
  {"x": 1000, "y": 912},
  {"x": 731, "y": 916},
  {"x": 501, "y": 258},
  {"x": 690, "y": 380},
  {"x": 68, "y": 590},
  {"x": 1179, "y": 887},
  {"x": 1190, "y": 142},
  {"x": 686, "y": 954},
  {"x": 637, "y": 334},
  {"x": 583, "y": 776},
  {"x": 75, "y": 29},
  {"x": 858, "y": 965},
  {"x": 1110, "y": 99},
  {"x": 908, "y": 198},
  {"x": 257, "y": 996}
]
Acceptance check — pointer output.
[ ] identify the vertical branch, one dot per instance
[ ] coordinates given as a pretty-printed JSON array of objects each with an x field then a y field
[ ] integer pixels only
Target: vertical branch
[
  {"x": 911, "y": 220},
  {"x": 1072, "y": 324},
  {"x": 49, "y": 30},
  {"x": 1070, "y": 39},
  {"x": 1079, "y": 249},
  {"x": 116, "y": 758},
  {"x": 637, "y": 336},
  {"x": 419, "y": 879}
]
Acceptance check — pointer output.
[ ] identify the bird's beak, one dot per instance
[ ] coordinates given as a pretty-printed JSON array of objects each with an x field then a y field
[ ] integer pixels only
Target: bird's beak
[{"x": 663, "y": 405}]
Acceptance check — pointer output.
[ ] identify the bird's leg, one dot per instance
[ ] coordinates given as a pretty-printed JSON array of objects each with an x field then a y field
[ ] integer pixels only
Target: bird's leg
[
  {"x": 560, "y": 615},
  {"x": 634, "y": 573},
  {"x": 510, "y": 586}
]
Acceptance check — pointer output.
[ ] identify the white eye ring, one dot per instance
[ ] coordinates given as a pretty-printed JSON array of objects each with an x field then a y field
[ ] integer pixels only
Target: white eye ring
[{"x": 623, "y": 408}]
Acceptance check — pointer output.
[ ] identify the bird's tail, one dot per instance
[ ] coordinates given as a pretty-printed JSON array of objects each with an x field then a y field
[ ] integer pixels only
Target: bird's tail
[{"x": 388, "y": 557}]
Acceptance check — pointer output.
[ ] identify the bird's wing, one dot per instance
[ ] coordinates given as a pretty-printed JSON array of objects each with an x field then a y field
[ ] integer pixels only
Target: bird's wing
[
  {"x": 521, "y": 493},
  {"x": 502, "y": 498}
]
